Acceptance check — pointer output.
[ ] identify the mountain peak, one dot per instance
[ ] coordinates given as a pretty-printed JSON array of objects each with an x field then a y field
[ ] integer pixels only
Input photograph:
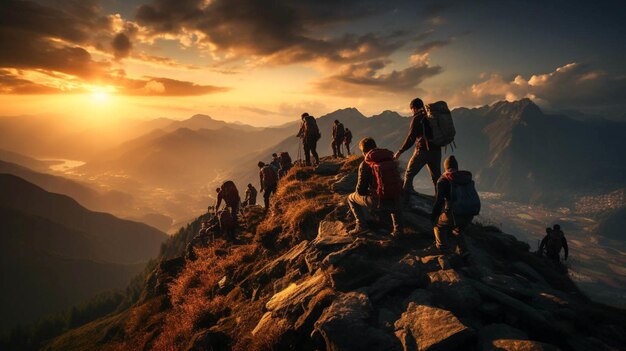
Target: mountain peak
[
  {"x": 200, "y": 117},
  {"x": 516, "y": 109}
]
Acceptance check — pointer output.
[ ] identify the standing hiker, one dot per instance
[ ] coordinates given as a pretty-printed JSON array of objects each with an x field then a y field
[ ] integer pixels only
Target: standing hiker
[
  {"x": 250, "y": 199},
  {"x": 230, "y": 195},
  {"x": 310, "y": 134},
  {"x": 378, "y": 186},
  {"x": 456, "y": 204},
  {"x": 285, "y": 164},
  {"x": 347, "y": 139},
  {"x": 338, "y": 136},
  {"x": 275, "y": 162},
  {"x": 552, "y": 244},
  {"x": 269, "y": 181}
]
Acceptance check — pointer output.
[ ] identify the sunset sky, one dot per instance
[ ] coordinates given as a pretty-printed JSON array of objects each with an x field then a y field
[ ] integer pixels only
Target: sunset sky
[{"x": 265, "y": 62}]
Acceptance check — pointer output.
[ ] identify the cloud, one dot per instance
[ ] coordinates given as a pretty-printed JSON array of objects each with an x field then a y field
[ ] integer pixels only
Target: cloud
[
  {"x": 280, "y": 32},
  {"x": 157, "y": 86},
  {"x": 13, "y": 84},
  {"x": 359, "y": 79},
  {"x": 572, "y": 86},
  {"x": 121, "y": 45}
]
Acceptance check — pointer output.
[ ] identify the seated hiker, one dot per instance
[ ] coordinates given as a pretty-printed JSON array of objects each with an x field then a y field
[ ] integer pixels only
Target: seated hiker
[
  {"x": 378, "y": 186},
  {"x": 552, "y": 244},
  {"x": 338, "y": 136},
  {"x": 208, "y": 229},
  {"x": 347, "y": 139},
  {"x": 285, "y": 164},
  {"x": 250, "y": 199},
  {"x": 230, "y": 195},
  {"x": 455, "y": 206},
  {"x": 269, "y": 182}
]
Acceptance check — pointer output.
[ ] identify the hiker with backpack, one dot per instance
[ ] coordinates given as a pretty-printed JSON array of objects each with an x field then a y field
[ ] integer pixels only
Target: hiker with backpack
[
  {"x": 338, "y": 136},
  {"x": 285, "y": 164},
  {"x": 431, "y": 128},
  {"x": 456, "y": 204},
  {"x": 552, "y": 244},
  {"x": 269, "y": 182},
  {"x": 275, "y": 163},
  {"x": 230, "y": 195},
  {"x": 310, "y": 134},
  {"x": 250, "y": 199},
  {"x": 347, "y": 139},
  {"x": 378, "y": 187}
]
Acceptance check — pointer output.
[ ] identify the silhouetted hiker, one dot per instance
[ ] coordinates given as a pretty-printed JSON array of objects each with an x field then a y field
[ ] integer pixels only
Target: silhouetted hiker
[
  {"x": 269, "y": 181},
  {"x": 310, "y": 134},
  {"x": 378, "y": 186},
  {"x": 347, "y": 139},
  {"x": 229, "y": 193},
  {"x": 456, "y": 204},
  {"x": 426, "y": 153},
  {"x": 228, "y": 224},
  {"x": 552, "y": 244},
  {"x": 275, "y": 162},
  {"x": 250, "y": 199},
  {"x": 208, "y": 229},
  {"x": 338, "y": 136},
  {"x": 285, "y": 164}
]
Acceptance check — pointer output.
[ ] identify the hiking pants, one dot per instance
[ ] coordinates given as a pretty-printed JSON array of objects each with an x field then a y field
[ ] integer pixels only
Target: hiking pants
[
  {"x": 336, "y": 145},
  {"x": 360, "y": 205},
  {"x": 347, "y": 144},
  {"x": 422, "y": 157},
  {"x": 266, "y": 196},
  {"x": 310, "y": 148},
  {"x": 450, "y": 226}
]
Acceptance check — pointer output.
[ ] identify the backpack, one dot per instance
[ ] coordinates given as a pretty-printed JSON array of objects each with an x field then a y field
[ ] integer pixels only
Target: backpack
[
  {"x": 440, "y": 120},
  {"x": 385, "y": 169},
  {"x": 285, "y": 159},
  {"x": 340, "y": 134},
  {"x": 270, "y": 177},
  {"x": 311, "y": 129},
  {"x": 554, "y": 243},
  {"x": 464, "y": 199},
  {"x": 230, "y": 193}
]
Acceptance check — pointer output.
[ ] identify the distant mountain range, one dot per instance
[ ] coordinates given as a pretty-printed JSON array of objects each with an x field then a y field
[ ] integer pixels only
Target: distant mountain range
[{"x": 55, "y": 253}]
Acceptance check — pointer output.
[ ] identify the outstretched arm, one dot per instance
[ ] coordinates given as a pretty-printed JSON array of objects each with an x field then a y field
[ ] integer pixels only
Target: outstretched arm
[{"x": 414, "y": 132}]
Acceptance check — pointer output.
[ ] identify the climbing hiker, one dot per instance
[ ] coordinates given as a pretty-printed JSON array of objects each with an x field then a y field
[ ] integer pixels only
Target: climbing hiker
[
  {"x": 552, "y": 244},
  {"x": 230, "y": 195},
  {"x": 456, "y": 204},
  {"x": 250, "y": 199},
  {"x": 269, "y": 181},
  {"x": 426, "y": 153},
  {"x": 228, "y": 224},
  {"x": 378, "y": 187},
  {"x": 347, "y": 139},
  {"x": 208, "y": 229},
  {"x": 285, "y": 164},
  {"x": 310, "y": 134},
  {"x": 338, "y": 136}
]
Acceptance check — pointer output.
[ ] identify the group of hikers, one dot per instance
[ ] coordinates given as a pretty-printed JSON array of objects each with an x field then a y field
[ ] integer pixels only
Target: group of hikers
[{"x": 380, "y": 189}]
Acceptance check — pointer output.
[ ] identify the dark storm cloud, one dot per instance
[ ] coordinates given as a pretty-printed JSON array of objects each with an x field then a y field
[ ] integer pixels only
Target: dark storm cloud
[
  {"x": 282, "y": 31},
  {"x": 121, "y": 45},
  {"x": 359, "y": 79}
]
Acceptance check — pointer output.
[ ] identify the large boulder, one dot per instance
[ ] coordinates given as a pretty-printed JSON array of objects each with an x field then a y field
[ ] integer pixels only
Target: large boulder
[
  {"x": 346, "y": 184},
  {"x": 295, "y": 296},
  {"x": 345, "y": 326},
  {"x": 453, "y": 291},
  {"x": 429, "y": 328}
]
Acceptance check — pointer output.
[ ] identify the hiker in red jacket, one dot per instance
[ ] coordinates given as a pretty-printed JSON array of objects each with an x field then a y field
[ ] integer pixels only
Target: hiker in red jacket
[
  {"x": 269, "y": 181},
  {"x": 378, "y": 186},
  {"x": 426, "y": 153}
]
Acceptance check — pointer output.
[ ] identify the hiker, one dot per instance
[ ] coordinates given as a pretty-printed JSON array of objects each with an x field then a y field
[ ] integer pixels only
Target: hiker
[
  {"x": 426, "y": 153},
  {"x": 378, "y": 186},
  {"x": 456, "y": 204},
  {"x": 275, "y": 162},
  {"x": 217, "y": 202},
  {"x": 347, "y": 139},
  {"x": 269, "y": 181},
  {"x": 338, "y": 136},
  {"x": 552, "y": 244},
  {"x": 208, "y": 229},
  {"x": 230, "y": 195},
  {"x": 285, "y": 164},
  {"x": 227, "y": 224},
  {"x": 310, "y": 134},
  {"x": 250, "y": 199}
]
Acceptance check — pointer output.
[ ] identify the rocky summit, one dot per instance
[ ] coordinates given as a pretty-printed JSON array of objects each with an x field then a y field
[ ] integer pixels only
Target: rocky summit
[{"x": 296, "y": 280}]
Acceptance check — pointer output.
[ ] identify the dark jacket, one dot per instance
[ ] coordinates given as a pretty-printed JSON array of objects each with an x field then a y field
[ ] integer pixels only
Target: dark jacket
[
  {"x": 268, "y": 177},
  {"x": 443, "y": 190},
  {"x": 338, "y": 132},
  {"x": 348, "y": 137},
  {"x": 366, "y": 184},
  {"x": 309, "y": 132},
  {"x": 250, "y": 195},
  {"x": 560, "y": 236},
  {"x": 419, "y": 125}
]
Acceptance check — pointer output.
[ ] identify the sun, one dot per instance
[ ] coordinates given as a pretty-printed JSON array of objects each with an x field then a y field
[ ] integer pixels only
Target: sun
[{"x": 101, "y": 94}]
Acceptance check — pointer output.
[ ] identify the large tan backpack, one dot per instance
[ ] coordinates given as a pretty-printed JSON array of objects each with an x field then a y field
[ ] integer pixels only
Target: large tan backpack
[{"x": 441, "y": 124}]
